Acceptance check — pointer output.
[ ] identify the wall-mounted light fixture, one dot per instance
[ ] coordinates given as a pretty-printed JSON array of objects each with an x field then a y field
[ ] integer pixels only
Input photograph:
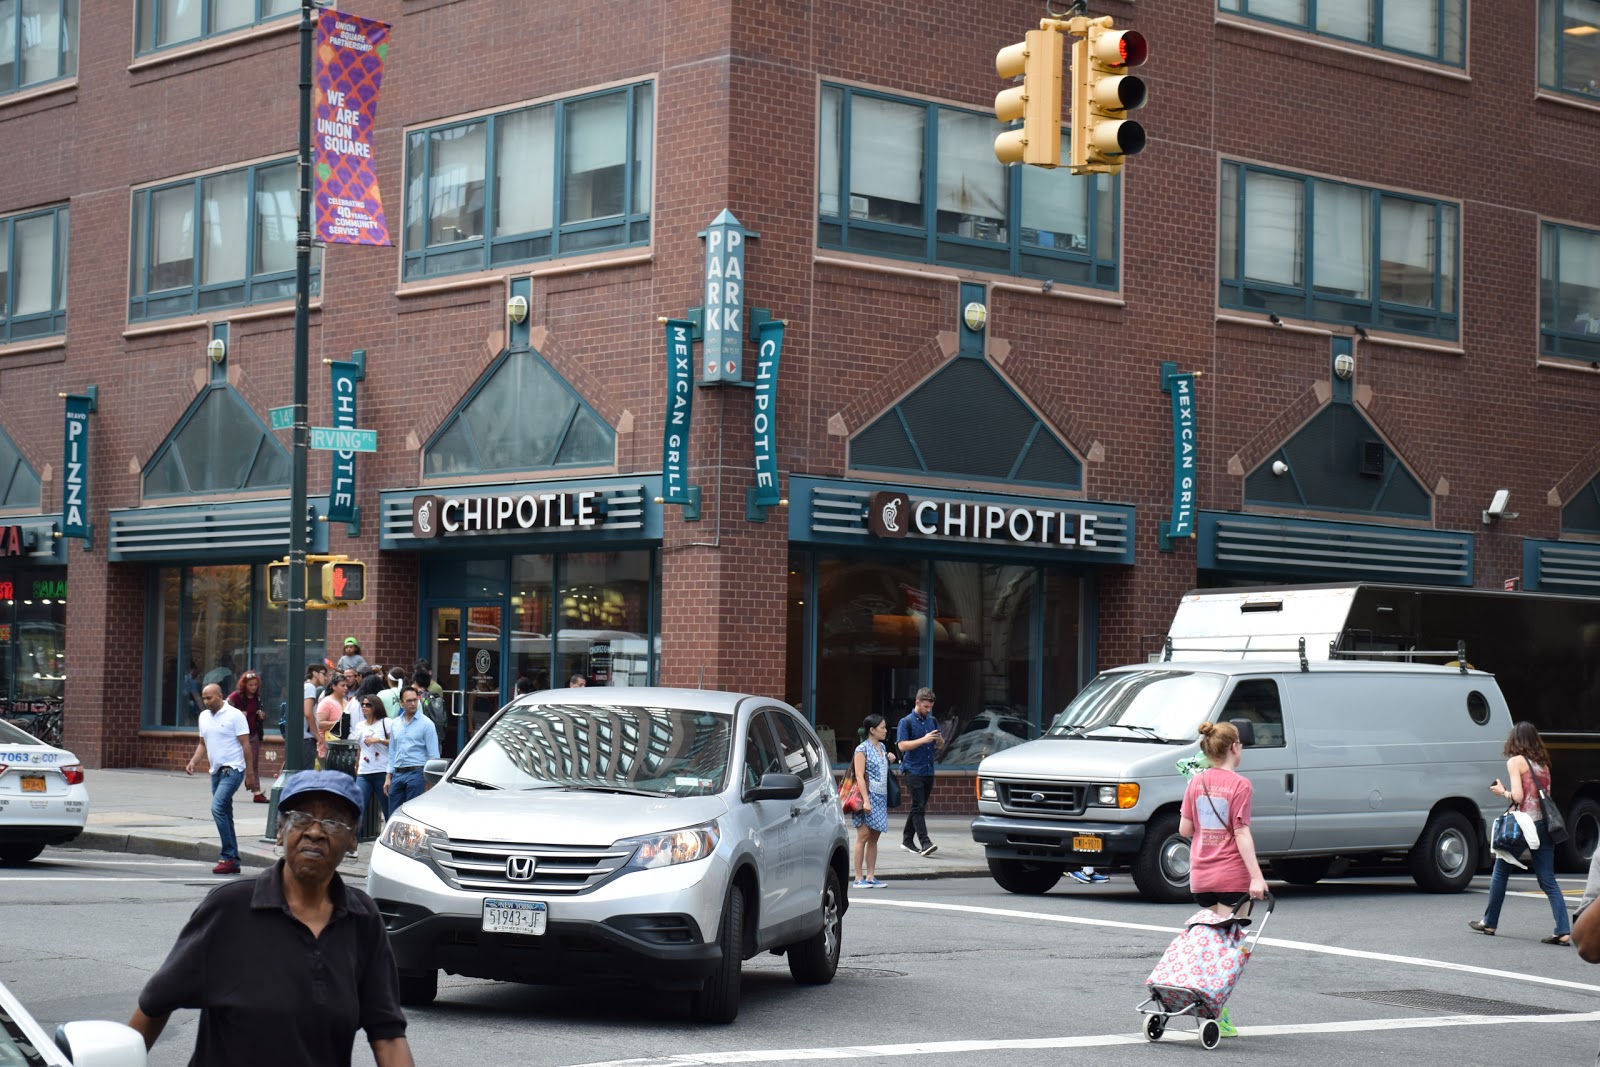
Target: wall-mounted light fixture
[
  {"x": 975, "y": 315},
  {"x": 217, "y": 349},
  {"x": 1279, "y": 467},
  {"x": 517, "y": 309},
  {"x": 1497, "y": 507},
  {"x": 1344, "y": 365}
]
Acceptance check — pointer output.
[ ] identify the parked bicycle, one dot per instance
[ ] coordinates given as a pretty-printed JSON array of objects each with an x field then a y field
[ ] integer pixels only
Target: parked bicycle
[{"x": 41, "y": 718}]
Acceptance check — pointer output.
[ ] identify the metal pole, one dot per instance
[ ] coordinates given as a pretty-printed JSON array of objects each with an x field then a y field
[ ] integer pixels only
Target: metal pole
[{"x": 298, "y": 529}]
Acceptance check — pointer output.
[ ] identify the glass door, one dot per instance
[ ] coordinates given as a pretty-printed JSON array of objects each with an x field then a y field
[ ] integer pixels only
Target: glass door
[
  {"x": 464, "y": 647},
  {"x": 444, "y": 652}
]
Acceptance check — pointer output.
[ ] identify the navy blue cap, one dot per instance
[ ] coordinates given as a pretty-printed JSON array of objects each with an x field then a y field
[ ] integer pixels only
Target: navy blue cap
[{"x": 332, "y": 783}]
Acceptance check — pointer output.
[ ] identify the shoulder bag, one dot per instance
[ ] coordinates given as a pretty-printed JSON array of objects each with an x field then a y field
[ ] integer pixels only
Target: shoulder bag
[
  {"x": 850, "y": 795},
  {"x": 1555, "y": 827}
]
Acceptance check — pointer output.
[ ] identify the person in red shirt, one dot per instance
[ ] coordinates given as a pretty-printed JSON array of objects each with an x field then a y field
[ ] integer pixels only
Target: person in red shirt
[{"x": 1223, "y": 870}]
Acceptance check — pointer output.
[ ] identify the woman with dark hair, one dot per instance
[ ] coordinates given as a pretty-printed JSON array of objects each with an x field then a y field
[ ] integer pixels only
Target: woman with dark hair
[
  {"x": 870, "y": 765},
  {"x": 1528, "y": 771},
  {"x": 247, "y": 698}
]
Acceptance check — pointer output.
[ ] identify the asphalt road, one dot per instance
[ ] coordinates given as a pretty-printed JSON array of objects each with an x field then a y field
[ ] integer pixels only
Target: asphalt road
[{"x": 949, "y": 972}]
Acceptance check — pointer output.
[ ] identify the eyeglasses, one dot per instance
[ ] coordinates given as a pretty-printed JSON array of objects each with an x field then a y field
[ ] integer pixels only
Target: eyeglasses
[{"x": 302, "y": 821}]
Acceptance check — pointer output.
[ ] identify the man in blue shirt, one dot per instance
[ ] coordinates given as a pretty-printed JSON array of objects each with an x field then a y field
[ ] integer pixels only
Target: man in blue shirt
[
  {"x": 413, "y": 744},
  {"x": 918, "y": 739}
]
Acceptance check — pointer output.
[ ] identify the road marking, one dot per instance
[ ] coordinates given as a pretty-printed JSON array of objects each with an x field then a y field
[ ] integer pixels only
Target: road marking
[
  {"x": 1303, "y": 946},
  {"x": 92, "y": 878},
  {"x": 933, "y": 1048},
  {"x": 49, "y": 862}
]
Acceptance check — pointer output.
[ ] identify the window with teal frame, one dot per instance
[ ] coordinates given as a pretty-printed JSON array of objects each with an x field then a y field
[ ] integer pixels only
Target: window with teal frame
[
  {"x": 520, "y": 416},
  {"x": 966, "y": 422},
  {"x": 19, "y": 481},
  {"x": 1328, "y": 251},
  {"x": 1569, "y": 292},
  {"x": 167, "y": 23},
  {"x": 1581, "y": 515},
  {"x": 1569, "y": 47},
  {"x": 33, "y": 273},
  {"x": 219, "y": 446},
  {"x": 1428, "y": 29},
  {"x": 917, "y": 180}
]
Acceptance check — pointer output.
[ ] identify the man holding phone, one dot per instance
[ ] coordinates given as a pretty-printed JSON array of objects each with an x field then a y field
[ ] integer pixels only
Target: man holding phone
[{"x": 918, "y": 738}]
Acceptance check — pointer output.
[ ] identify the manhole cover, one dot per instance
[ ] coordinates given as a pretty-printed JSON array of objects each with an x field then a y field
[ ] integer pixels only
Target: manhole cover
[
  {"x": 869, "y": 972},
  {"x": 1449, "y": 1003}
]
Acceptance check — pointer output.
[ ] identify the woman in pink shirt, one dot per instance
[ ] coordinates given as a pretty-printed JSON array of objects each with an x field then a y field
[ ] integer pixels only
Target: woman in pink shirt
[{"x": 1223, "y": 871}]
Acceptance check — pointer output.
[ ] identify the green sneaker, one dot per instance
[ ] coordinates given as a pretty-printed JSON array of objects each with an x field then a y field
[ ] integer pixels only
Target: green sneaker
[{"x": 1225, "y": 1025}]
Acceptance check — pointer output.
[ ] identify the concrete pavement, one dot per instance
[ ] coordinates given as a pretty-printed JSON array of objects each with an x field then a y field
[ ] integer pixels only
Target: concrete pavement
[{"x": 162, "y": 813}]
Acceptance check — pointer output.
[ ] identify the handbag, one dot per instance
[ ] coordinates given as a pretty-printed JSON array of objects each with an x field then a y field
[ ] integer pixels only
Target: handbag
[
  {"x": 1555, "y": 827},
  {"x": 850, "y": 795},
  {"x": 1513, "y": 839},
  {"x": 894, "y": 790}
]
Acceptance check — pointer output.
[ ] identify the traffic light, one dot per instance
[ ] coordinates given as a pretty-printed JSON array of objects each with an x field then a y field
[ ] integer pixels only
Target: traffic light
[
  {"x": 344, "y": 582},
  {"x": 278, "y": 583},
  {"x": 1036, "y": 102},
  {"x": 1102, "y": 93}
]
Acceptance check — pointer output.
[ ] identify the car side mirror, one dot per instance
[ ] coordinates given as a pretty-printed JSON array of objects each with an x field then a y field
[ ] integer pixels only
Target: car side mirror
[
  {"x": 433, "y": 771},
  {"x": 776, "y": 787},
  {"x": 1247, "y": 731},
  {"x": 97, "y": 1043}
]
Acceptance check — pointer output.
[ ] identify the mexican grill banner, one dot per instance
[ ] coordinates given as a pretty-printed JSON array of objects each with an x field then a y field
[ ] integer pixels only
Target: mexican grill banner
[
  {"x": 680, "y": 405},
  {"x": 350, "y": 53},
  {"x": 342, "y": 484},
  {"x": 1183, "y": 453},
  {"x": 770, "y": 349}
]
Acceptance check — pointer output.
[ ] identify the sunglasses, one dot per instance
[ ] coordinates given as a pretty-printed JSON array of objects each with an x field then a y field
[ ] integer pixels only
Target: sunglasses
[{"x": 302, "y": 821}]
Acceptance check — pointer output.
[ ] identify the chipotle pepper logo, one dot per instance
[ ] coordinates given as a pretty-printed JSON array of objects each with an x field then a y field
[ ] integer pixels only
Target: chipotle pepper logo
[{"x": 889, "y": 514}]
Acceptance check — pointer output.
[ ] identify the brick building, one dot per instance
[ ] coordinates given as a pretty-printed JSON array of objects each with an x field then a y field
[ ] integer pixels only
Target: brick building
[{"x": 1378, "y": 244}]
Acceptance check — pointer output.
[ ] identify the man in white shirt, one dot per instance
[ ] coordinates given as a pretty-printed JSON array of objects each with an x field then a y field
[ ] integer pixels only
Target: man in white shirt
[
  {"x": 312, "y": 744},
  {"x": 225, "y": 743}
]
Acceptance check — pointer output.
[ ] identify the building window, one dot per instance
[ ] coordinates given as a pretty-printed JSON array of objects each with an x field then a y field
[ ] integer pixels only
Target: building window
[
  {"x": 241, "y": 252},
  {"x": 1332, "y": 252},
  {"x": 1431, "y": 29},
  {"x": 33, "y": 274},
  {"x": 219, "y": 446},
  {"x": 164, "y": 23},
  {"x": 559, "y": 179},
  {"x": 1569, "y": 46},
  {"x": 209, "y": 625},
  {"x": 39, "y": 45},
  {"x": 920, "y": 181},
  {"x": 19, "y": 482},
  {"x": 1569, "y": 292}
]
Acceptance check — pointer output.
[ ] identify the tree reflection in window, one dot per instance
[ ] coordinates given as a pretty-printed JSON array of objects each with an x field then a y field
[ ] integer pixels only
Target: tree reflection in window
[{"x": 219, "y": 446}]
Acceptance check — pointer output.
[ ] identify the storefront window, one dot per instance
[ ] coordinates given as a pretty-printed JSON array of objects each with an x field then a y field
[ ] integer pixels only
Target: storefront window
[
  {"x": 981, "y": 635},
  {"x": 1061, "y": 651},
  {"x": 33, "y": 617},
  {"x": 532, "y": 620},
  {"x": 210, "y": 625},
  {"x": 794, "y": 678},
  {"x": 870, "y": 620},
  {"x": 605, "y": 618}
]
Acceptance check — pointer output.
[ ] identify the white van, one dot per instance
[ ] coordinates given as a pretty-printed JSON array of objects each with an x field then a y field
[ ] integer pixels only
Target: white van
[{"x": 1346, "y": 759}]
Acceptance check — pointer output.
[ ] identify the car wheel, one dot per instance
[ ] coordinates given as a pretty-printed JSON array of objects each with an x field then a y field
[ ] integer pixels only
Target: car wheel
[
  {"x": 1161, "y": 869},
  {"x": 718, "y": 1000},
  {"x": 814, "y": 960},
  {"x": 1583, "y": 835},
  {"x": 418, "y": 987},
  {"x": 1445, "y": 857},
  {"x": 1028, "y": 879},
  {"x": 1302, "y": 870},
  {"x": 16, "y": 855}
]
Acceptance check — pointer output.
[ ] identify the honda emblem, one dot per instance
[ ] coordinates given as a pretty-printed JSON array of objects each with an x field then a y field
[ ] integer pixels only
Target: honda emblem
[{"x": 519, "y": 868}]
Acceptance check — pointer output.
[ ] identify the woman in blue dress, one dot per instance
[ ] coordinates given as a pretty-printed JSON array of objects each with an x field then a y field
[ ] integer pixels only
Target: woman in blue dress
[{"x": 871, "y": 768}]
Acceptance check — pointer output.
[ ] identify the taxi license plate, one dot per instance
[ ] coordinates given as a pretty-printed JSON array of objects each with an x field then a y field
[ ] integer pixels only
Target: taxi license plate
[
  {"x": 33, "y": 783},
  {"x": 1086, "y": 844},
  {"x": 515, "y": 916}
]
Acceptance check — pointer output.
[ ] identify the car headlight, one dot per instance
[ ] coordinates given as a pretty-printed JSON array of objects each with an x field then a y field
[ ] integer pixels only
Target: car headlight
[
  {"x": 1121, "y": 795},
  {"x": 987, "y": 790},
  {"x": 410, "y": 837},
  {"x": 675, "y": 846}
]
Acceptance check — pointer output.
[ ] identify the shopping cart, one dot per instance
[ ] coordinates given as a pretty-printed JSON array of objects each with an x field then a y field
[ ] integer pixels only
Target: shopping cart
[{"x": 1198, "y": 971}]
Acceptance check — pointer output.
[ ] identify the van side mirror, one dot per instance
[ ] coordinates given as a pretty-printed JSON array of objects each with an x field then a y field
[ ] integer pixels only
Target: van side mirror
[
  {"x": 776, "y": 787},
  {"x": 1247, "y": 731}
]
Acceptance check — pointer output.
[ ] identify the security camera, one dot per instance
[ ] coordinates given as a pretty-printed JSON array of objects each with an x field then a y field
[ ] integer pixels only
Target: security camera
[
  {"x": 1279, "y": 467},
  {"x": 1497, "y": 507}
]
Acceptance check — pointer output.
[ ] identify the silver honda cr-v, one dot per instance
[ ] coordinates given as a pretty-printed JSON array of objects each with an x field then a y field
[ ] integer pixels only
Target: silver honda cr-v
[{"x": 661, "y": 836}]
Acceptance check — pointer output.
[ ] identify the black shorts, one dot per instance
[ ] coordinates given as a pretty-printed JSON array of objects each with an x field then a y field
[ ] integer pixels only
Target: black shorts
[{"x": 1232, "y": 900}]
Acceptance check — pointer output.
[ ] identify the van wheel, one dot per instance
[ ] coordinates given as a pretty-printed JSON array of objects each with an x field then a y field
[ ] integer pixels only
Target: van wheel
[
  {"x": 1161, "y": 869},
  {"x": 418, "y": 987},
  {"x": 1302, "y": 870},
  {"x": 1445, "y": 857},
  {"x": 814, "y": 960},
  {"x": 718, "y": 1000},
  {"x": 1583, "y": 835},
  {"x": 1020, "y": 876},
  {"x": 17, "y": 855}
]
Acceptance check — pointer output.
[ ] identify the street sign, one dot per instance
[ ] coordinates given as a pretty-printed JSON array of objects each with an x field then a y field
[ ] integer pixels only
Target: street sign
[
  {"x": 328, "y": 439},
  {"x": 282, "y": 418}
]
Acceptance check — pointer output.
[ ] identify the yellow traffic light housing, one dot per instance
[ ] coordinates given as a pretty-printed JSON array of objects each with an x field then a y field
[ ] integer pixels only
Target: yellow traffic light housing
[
  {"x": 278, "y": 583},
  {"x": 1103, "y": 93},
  {"x": 344, "y": 581},
  {"x": 1036, "y": 103}
]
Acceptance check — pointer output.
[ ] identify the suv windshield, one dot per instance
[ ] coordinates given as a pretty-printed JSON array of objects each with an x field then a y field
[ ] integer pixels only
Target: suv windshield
[
  {"x": 1162, "y": 705},
  {"x": 666, "y": 751}
]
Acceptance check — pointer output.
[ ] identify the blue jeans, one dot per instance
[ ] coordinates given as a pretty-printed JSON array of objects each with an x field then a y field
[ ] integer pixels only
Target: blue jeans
[
  {"x": 404, "y": 787},
  {"x": 372, "y": 798},
  {"x": 1544, "y": 869},
  {"x": 225, "y": 782}
]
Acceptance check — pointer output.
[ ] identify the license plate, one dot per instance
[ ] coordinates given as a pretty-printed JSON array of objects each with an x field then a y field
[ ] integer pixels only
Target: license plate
[
  {"x": 515, "y": 916},
  {"x": 1086, "y": 844},
  {"x": 33, "y": 783}
]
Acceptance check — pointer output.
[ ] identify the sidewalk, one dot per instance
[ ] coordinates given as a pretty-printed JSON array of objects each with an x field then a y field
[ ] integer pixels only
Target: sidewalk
[{"x": 161, "y": 813}]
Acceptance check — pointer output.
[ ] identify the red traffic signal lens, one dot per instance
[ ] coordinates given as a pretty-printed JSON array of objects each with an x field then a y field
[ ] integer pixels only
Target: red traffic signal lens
[{"x": 1132, "y": 48}]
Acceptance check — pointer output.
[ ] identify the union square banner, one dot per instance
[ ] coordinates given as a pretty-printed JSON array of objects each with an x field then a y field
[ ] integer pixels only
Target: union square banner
[{"x": 349, "y": 71}]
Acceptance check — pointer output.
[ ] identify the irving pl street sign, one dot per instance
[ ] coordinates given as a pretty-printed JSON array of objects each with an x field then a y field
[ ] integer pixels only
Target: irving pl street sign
[{"x": 329, "y": 439}]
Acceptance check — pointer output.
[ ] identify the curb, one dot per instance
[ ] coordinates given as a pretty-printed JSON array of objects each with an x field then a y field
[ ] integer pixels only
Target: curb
[{"x": 177, "y": 848}]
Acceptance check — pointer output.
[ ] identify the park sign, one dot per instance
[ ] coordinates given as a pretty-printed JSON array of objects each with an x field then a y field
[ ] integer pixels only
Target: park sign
[
  {"x": 722, "y": 349},
  {"x": 350, "y": 52}
]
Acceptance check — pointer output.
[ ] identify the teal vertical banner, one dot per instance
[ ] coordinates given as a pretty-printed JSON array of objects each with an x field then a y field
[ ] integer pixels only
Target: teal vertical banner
[
  {"x": 75, "y": 478},
  {"x": 722, "y": 352},
  {"x": 1181, "y": 387},
  {"x": 769, "y": 338},
  {"x": 342, "y": 484},
  {"x": 680, "y": 406}
]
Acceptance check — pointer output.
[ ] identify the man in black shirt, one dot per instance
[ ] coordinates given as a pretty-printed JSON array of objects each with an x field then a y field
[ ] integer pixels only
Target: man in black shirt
[{"x": 286, "y": 967}]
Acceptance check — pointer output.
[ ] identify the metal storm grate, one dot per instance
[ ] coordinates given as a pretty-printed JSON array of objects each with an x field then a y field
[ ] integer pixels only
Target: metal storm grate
[{"x": 1449, "y": 1003}]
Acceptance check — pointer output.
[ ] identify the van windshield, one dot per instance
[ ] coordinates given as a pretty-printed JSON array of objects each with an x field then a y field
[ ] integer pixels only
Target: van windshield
[
  {"x": 1163, "y": 706},
  {"x": 655, "y": 751}
]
